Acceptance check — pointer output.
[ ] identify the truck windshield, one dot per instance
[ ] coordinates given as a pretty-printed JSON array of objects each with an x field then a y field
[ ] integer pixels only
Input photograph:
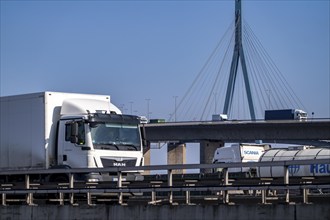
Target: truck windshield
[{"x": 115, "y": 136}]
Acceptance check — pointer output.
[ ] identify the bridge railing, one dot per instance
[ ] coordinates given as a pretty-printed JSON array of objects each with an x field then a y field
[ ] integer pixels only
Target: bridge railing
[{"x": 222, "y": 184}]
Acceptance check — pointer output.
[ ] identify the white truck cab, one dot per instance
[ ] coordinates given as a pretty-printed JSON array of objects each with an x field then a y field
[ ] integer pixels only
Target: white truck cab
[{"x": 239, "y": 153}]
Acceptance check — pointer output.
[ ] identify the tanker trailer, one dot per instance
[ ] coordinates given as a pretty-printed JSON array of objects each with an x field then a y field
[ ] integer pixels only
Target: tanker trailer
[{"x": 314, "y": 169}]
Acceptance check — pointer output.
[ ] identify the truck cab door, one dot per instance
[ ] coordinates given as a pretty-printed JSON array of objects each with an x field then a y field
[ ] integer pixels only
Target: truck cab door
[{"x": 72, "y": 150}]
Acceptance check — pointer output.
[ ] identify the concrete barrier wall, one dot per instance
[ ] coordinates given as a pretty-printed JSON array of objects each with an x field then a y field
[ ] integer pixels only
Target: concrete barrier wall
[{"x": 166, "y": 212}]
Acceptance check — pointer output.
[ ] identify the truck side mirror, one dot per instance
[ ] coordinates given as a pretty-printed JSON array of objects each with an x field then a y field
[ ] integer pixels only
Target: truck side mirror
[
  {"x": 73, "y": 132},
  {"x": 143, "y": 136}
]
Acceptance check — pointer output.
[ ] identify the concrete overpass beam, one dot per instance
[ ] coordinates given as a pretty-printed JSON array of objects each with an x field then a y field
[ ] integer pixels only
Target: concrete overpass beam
[
  {"x": 206, "y": 150},
  {"x": 176, "y": 154}
]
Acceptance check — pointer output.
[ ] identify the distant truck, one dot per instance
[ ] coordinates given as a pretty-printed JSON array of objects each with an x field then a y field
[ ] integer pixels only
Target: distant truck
[
  {"x": 286, "y": 114},
  {"x": 240, "y": 153},
  {"x": 219, "y": 117},
  {"x": 67, "y": 130},
  {"x": 157, "y": 121}
]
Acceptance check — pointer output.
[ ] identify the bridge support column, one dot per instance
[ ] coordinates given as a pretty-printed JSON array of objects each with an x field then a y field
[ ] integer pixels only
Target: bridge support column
[
  {"x": 206, "y": 150},
  {"x": 176, "y": 154},
  {"x": 146, "y": 156}
]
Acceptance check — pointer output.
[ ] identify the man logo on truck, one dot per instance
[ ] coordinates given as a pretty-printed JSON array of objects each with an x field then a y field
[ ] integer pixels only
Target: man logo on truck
[{"x": 116, "y": 164}]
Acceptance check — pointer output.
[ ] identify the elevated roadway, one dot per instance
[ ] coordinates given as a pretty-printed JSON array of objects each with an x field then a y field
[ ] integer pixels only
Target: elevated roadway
[{"x": 239, "y": 131}]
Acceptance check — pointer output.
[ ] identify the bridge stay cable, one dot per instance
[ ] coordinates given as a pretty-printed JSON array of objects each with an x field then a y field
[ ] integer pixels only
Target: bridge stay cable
[
  {"x": 188, "y": 102},
  {"x": 274, "y": 75},
  {"x": 216, "y": 81},
  {"x": 255, "y": 79}
]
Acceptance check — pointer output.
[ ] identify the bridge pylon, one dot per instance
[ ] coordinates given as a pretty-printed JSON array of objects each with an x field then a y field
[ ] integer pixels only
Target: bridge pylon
[{"x": 238, "y": 56}]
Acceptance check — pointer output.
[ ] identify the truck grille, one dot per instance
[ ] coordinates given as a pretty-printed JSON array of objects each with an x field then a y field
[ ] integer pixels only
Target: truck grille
[{"x": 115, "y": 163}]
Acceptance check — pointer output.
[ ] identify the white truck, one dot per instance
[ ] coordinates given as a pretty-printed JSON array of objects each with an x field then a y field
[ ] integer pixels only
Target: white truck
[
  {"x": 220, "y": 117},
  {"x": 67, "y": 130},
  {"x": 240, "y": 153}
]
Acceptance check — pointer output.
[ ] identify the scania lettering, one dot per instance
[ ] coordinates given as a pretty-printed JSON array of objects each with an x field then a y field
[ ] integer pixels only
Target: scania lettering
[
  {"x": 251, "y": 152},
  {"x": 67, "y": 130}
]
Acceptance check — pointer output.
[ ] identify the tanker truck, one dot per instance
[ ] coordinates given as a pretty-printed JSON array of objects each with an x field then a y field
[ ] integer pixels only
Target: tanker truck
[
  {"x": 241, "y": 153},
  {"x": 67, "y": 130}
]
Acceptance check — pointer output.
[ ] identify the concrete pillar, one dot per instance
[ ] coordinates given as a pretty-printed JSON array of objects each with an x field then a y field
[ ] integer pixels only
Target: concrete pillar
[
  {"x": 206, "y": 150},
  {"x": 176, "y": 154},
  {"x": 146, "y": 156}
]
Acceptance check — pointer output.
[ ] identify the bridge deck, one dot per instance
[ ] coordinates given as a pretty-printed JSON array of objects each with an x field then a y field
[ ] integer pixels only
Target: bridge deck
[{"x": 233, "y": 131}]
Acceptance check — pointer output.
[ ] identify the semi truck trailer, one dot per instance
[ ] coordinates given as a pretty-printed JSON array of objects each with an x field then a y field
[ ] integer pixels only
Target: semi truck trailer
[
  {"x": 286, "y": 114},
  {"x": 67, "y": 130}
]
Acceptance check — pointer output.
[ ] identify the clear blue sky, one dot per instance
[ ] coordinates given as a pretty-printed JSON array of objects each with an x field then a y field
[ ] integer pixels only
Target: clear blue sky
[{"x": 138, "y": 50}]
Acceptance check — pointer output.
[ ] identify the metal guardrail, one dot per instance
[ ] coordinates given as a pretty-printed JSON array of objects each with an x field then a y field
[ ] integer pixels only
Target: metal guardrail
[
  {"x": 164, "y": 167},
  {"x": 224, "y": 185}
]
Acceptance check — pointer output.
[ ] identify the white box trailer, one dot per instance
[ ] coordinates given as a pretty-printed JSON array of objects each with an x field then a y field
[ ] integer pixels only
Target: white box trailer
[{"x": 36, "y": 132}]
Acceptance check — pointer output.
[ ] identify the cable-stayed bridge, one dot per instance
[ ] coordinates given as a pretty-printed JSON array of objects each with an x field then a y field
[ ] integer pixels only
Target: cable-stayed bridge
[{"x": 239, "y": 79}]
